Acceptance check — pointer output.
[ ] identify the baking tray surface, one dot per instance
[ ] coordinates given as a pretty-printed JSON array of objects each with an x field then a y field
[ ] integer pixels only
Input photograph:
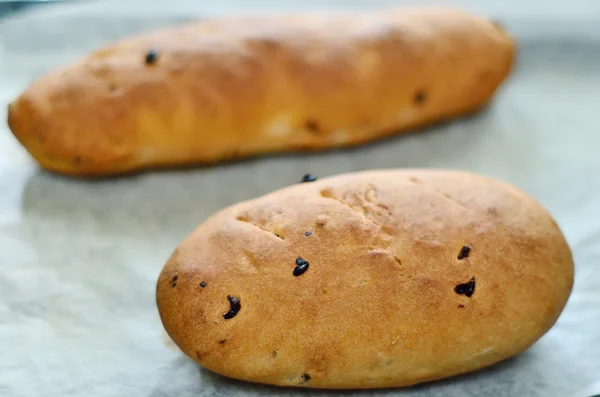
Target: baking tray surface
[{"x": 80, "y": 259}]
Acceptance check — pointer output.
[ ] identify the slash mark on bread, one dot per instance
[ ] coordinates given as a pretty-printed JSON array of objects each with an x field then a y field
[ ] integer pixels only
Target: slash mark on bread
[
  {"x": 329, "y": 195},
  {"x": 244, "y": 218},
  {"x": 401, "y": 268},
  {"x": 364, "y": 202},
  {"x": 446, "y": 196}
]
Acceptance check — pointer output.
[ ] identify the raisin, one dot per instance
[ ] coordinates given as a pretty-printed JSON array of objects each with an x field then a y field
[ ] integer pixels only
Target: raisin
[
  {"x": 312, "y": 125},
  {"x": 234, "y": 307},
  {"x": 151, "y": 57},
  {"x": 420, "y": 97},
  {"x": 461, "y": 306},
  {"x": 308, "y": 233},
  {"x": 464, "y": 252},
  {"x": 309, "y": 178},
  {"x": 467, "y": 289},
  {"x": 301, "y": 266},
  {"x": 305, "y": 377},
  {"x": 223, "y": 341},
  {"x": 174, "y": 278},
  {"x": 174, "y": 285},
  {"x": 203, "y": 284}
]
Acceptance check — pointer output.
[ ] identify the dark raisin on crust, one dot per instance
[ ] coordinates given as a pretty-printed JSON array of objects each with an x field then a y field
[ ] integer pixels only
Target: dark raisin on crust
[
  {"x": 203, "y": 284},
  {"x": 467, "y": 289},
  {"x": 461, "y": 306},
  {"x": 420, "y": 97},
  {"x": 151, "y": 57},
  {"x": 309, "y": 178},
  {"x": 234, "y": 307},
  {"x": 233, "y": 154},
  {"x": 305, "y": 377},
  {"x": 308, "y": 233},
  {"x": 174, "y": 285},
  {"x": 464, "y": 252},
  {"x": 223, "y": 341},
  {"x": 312, "y": 125},
  {"x": 174, "y": 278},
  {"x": 301, "y": 266}
]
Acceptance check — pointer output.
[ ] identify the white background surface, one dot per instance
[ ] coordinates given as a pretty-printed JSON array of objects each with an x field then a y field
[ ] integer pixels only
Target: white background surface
[{"x": 79, "y": 260}]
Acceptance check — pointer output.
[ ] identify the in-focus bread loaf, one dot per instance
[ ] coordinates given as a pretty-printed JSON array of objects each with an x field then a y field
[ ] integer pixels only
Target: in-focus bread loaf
[
  {"x": 237, "y": 87},
  {"x": 371, "y": 279}
]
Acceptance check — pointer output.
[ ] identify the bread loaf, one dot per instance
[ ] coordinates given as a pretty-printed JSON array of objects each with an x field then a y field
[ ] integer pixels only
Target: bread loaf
[
  {"x": 372, "y": 279},
  {"x": 237, "y": 87}
]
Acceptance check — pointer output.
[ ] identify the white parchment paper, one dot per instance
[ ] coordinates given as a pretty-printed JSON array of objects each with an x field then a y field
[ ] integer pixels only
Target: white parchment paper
[{"x": 79, "y": 260}]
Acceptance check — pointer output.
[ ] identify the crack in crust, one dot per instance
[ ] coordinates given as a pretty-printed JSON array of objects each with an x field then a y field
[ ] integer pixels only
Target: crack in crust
[
  {"x": 249, "y": 262},
  {"x": 403, "y": 272},
  {"x": 246, "y": 219},
  {"x": 398, "y": 261},
  {"x": 329, "y": 195},
  {"x": 446, "y": 196},
  {"x": 364, "y": 203}
]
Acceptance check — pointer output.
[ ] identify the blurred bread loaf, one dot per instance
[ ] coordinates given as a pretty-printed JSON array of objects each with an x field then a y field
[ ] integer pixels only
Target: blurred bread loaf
[{"x": 237, "y": 87}]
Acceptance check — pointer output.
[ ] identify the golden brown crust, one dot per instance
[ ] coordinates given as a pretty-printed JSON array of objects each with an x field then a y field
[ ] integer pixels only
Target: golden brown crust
[
  {"x": 230, "y": 88},
  {"x": 377, "y": 306}
]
